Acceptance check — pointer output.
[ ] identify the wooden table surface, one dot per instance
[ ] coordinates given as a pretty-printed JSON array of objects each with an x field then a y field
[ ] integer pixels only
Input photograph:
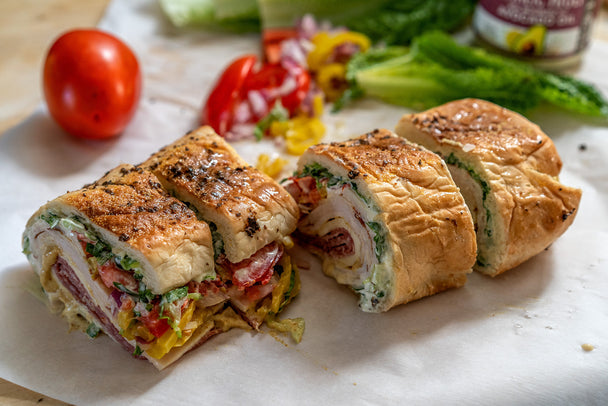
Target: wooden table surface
[{"x": 27, "y": 27}]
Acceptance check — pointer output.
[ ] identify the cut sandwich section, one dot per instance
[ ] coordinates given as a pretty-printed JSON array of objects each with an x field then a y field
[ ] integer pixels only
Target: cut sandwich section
[
  {"x": 250, "y": 215},
  {"x": 385, "y": 218},
  {"x": 124, "y": 257},
  {"x": 507, "y": 170}
]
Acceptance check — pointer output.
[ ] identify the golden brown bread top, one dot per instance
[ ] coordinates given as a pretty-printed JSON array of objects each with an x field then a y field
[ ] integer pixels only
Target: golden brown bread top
[
  {"x": 210, "y": 169},
  {"x": 249, "y": 208},
  {"x": 132, "y": 204},
  {"x": 498, "y": 134},
  {"x": 430, "y": 231},
  {"x": 381, "y": 156},
  {"x": 517, "y": 167}
]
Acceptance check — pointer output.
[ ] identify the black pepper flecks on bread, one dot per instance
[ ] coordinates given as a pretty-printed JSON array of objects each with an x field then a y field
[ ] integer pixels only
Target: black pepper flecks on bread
[
  {"x": 249, "y": 208},
  {"x": 115, "y": 247},
  {"x": 385, "y": 217},
  {"x": 507, "y": 170}
]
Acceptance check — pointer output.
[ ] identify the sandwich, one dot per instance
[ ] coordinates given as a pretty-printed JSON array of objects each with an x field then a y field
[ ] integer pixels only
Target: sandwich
[
  {"x": 123, "y": 257},
  {"x": 385, "y": 217},
  {"x": 126, "y": 257},
  {"x": 250, "y": 216},
  {"x": 507, "y": 170}
]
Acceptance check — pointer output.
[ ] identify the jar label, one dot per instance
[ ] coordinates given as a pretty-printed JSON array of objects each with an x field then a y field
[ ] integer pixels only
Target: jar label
[{"x": 536, "y": 28}]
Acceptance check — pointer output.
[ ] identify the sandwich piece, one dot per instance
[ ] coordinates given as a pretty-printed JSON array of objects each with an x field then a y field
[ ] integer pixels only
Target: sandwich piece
[
  {"x": 507, "y": 170},
  {"x": 251, "y": 217},
  {"x": 124, "y": 257},
  {"x": 385, "y": 217}
]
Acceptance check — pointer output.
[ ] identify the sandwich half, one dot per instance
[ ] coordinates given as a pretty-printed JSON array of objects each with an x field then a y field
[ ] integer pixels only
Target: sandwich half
[
  {"x": 385, "y": 218},
  {"x": 507, "y": 170},
  {"x": 123, "y": 257},
  {"x": 250, "y": 215}
]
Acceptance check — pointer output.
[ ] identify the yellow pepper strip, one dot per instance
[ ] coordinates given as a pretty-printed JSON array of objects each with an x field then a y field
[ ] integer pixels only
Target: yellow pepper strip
[
  {"x": 324, "y": 45},
  {"x": 278, "y": 294},
  {"x": 305, "y": 132},
  {"x": 130, "y": 328},
  {"x": 301, "y": 131},
  {"x": 170, "y": 339},
  {"x": 270, "y": 168},
  {"x": 331, "y": 78}
]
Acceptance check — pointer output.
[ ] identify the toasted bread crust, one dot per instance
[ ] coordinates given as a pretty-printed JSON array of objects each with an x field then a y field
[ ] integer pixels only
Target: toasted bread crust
[
  {"x": 132, "y": 204},
  {"x": 528, "y": 207},
  {"x": 498, "y": 134},
  {"x": 430, "y": 230},
  {"x": 249, "y": 208},
  {"x": 130, "y": 207}
]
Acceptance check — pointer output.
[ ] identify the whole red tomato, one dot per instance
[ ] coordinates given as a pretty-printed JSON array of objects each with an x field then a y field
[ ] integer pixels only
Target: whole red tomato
[{"x": 92, "y": 83}]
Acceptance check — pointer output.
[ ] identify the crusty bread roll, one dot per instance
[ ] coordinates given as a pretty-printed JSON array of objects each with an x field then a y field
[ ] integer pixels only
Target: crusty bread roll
[
  {"x": 507, "y": 170},
  {"x": 131, "y": 212},
  {"x": 249, "y": 208},
  {"x": 385, "y": 217},
  {"x": 119, "y": 242},
  {"x": 126, "y": 257}
]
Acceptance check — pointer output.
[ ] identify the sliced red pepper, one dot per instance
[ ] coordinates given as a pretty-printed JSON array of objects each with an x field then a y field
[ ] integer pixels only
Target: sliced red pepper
[{"x": 218, "y": 111}]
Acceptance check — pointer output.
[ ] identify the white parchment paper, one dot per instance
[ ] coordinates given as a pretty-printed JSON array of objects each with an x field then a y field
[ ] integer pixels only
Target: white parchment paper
[{"x": 514, "y": 339}]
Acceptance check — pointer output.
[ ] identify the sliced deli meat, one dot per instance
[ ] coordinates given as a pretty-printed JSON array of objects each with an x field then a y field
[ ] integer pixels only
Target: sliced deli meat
[
  {"x": 109, "y": 253},
  {"x": 125, "y": 257}
]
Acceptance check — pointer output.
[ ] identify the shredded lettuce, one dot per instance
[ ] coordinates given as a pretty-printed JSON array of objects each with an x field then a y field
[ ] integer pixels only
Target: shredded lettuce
[
  {"x": 295, "y": 327},
  {"x": 51, "y": 219},
  {"x": 324, "y": 178},
  {"x": 93, "y": 330}
]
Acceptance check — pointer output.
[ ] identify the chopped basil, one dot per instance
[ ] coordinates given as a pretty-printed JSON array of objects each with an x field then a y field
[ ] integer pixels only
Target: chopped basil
[
  {"x": 483, "y": 184},
  {"x": 138, "y": 351},
  {"x": 93, "y": 330},
  {"x": 379, "y": 238},
  {"x": 51, "y": 219},
  {"x": 324, "y": 178},
  {"x": 218, "y": 241},
  {"x": 124, "y": 289}
]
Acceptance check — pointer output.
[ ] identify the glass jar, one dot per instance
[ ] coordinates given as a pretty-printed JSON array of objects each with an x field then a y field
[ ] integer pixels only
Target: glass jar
[{"x": 552, "y": 34}]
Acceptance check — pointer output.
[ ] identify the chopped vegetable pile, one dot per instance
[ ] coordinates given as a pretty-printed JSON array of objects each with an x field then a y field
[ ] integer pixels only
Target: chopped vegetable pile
[{"x": 398, "y": 52}]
